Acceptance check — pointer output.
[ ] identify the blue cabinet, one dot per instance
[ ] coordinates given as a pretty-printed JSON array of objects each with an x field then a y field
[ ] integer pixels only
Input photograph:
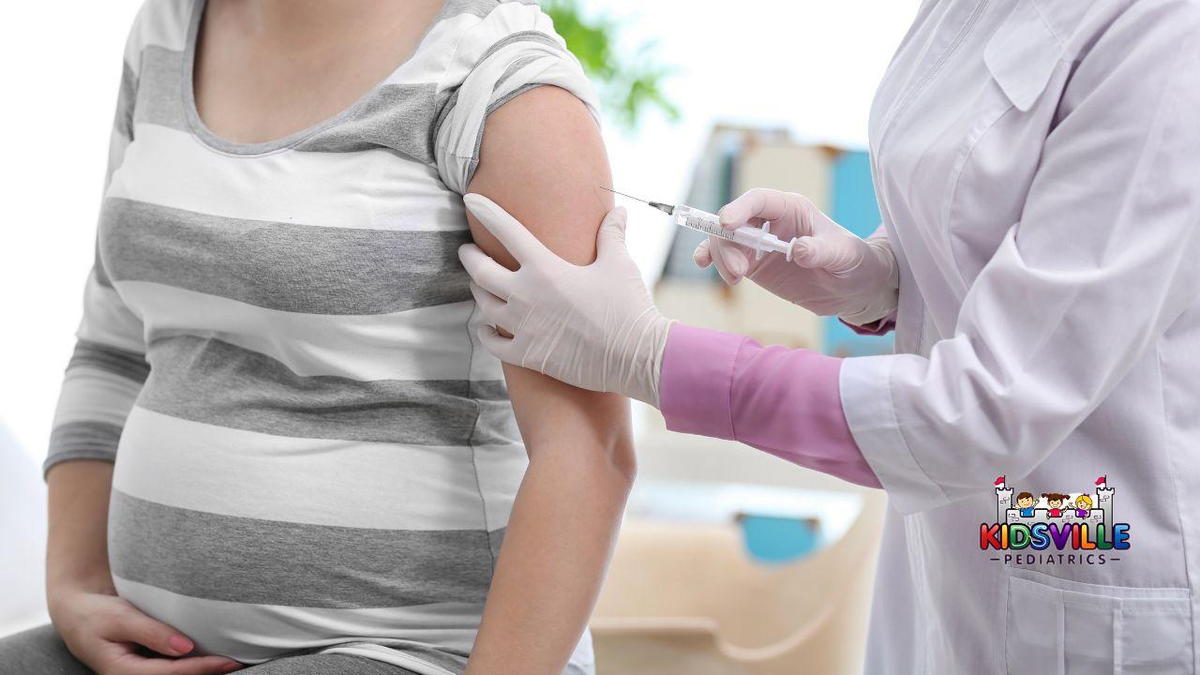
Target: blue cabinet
[{"x": 852, "y": 205}]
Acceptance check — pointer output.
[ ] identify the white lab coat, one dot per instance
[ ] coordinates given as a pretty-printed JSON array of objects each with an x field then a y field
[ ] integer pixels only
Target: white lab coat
[{"x": 1037, "y": 164}]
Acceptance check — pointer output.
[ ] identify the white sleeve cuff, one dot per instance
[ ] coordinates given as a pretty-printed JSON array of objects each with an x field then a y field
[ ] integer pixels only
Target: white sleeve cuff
[{"x": 866, "y": 392}]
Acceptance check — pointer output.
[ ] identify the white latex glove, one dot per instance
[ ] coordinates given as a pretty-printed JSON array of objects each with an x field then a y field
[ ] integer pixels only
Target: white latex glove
[
  {"x": 833, "y": 271},
  {"x": 593, "y": 326}
]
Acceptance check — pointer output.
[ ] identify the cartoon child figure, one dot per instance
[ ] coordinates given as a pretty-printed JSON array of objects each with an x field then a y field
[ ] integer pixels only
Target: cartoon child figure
[
  {"x": 1083, "y": 505},
  {"x": 1026, "y": 503},
  {"x": 1054, "y": 503}
]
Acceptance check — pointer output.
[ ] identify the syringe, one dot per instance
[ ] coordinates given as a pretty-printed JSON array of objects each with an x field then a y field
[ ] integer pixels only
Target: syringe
[{"x": 759, "y": 239}]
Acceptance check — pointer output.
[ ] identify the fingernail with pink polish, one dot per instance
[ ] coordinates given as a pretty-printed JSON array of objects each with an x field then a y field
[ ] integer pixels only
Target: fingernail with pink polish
[{"x": 180, "y": 644}]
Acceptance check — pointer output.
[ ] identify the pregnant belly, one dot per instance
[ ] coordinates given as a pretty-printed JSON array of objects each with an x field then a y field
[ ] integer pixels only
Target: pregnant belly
[
  {"x": 255, "y": 546},
  {"x": 255, "y": 589},
  {"x": 256, "y": 633}
]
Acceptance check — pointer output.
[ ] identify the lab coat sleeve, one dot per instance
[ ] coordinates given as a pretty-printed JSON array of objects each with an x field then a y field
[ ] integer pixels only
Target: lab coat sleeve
[
  {"x": 107, "y": 369},
  {"x": 782, "y": 401},
  {"x": 1105, "y": 257}
]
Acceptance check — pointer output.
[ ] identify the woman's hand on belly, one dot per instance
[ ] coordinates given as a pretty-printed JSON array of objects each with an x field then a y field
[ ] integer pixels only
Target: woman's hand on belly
[{"x": 108, "y": 635}]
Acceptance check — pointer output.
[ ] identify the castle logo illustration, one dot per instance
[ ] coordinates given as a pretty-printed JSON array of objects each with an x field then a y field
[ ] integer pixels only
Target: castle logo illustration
[{"x": 1054, "y": 527}]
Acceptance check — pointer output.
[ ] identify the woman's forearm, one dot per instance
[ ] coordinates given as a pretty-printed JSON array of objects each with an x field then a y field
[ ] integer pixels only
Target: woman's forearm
[
  {"x": 77, "y": 547},
  {"x": 551, "y": 566}
]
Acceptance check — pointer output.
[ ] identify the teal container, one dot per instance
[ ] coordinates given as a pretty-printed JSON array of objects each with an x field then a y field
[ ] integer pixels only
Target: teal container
[{"x": 778, "y": 539}]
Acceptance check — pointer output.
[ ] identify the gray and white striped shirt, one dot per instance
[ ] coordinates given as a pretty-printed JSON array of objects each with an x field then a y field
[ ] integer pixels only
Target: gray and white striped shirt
[{"x": 314, "y": 452}]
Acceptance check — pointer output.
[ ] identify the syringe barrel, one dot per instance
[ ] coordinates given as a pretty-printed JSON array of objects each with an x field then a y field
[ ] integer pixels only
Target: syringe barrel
[
  {"x": 701, "y": 221},
  {"x": 759, "y": 239}
]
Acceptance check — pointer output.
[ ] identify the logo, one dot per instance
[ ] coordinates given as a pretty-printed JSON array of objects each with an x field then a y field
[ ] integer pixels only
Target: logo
[{"x": 1055, "y": 528}]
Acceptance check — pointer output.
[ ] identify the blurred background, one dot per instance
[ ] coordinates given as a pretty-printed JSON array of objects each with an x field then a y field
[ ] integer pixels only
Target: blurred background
[{"x": 731, "y": 561}]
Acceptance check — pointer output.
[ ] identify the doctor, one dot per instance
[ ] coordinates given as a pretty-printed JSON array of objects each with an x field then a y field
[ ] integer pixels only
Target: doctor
[{"x": 1037, "y": 164}]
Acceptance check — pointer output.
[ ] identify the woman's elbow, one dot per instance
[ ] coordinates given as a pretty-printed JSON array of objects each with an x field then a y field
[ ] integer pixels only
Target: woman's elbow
[
  {"x": 622, "y": 458},
  {"x": 616, "y": 458},
  {"x": 609, "y": 464}
]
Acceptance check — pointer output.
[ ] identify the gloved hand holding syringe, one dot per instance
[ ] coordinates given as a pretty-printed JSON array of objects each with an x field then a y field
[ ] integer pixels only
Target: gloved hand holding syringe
[
  {"x": 828, "y": 269},
  {"x": 759, "y": 239}
]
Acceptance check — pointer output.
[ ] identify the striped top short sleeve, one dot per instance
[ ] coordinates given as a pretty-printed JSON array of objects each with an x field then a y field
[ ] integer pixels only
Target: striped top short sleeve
[{"x": 278, "y": 350}]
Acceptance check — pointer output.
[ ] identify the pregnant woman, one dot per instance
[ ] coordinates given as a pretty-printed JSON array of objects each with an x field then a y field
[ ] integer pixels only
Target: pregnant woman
[{"x": 317, "y": 467}]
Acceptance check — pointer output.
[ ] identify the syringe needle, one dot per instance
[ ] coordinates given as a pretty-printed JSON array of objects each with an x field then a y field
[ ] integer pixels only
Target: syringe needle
[
  {"x": 644, "y": 201},
  {"x": 665, "y": 208}
]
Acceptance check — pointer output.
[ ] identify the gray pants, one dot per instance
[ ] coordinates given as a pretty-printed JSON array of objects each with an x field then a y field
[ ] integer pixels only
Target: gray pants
[{"x": 40, "y": 651}]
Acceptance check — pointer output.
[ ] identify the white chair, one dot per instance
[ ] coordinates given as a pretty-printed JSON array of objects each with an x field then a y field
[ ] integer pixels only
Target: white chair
[{"x": 686, "y": 599}]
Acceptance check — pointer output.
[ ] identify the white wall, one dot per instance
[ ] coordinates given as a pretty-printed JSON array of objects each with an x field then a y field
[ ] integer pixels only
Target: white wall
[
  {"x": 808, "y": 65},
  {"x": 61, "y": 65},
  {"x": 23, "y": 532}
]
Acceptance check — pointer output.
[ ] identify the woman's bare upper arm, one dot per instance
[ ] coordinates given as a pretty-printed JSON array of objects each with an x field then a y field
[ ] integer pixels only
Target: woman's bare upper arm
[{"x": 543, "y": 161}]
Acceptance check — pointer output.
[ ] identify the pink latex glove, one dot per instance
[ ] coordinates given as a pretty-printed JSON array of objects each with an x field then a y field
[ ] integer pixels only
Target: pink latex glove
[{"x": 832, "y": 272}]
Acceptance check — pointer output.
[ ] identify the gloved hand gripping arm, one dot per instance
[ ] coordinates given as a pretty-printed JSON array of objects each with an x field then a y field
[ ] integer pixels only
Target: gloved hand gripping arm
[
  {"x": 596, "y": 327},
  {"x": 592, "y": 326}
]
